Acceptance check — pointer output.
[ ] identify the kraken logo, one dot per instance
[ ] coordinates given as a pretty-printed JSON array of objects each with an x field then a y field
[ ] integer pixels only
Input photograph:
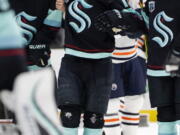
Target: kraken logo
[
  {"x": 26, "y": 29},
  {"x": 79, "y": 15},
  {"x": 166, "y": 33}
]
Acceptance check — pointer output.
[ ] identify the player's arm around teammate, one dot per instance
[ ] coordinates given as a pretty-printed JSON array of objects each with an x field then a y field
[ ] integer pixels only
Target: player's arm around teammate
[{"x": 160, "y": 81}]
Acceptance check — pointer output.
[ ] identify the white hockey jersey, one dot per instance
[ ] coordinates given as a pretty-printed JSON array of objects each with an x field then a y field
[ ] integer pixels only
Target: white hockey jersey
[{"x": 126, "y": 48}]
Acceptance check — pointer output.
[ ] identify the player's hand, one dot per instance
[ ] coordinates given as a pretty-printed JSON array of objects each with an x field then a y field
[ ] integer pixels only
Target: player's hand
[
  {"x": 110, "y": 20},
  {"x": 172, "y": 64},
  {"x": 38, "y": 54},
  {"x": 60, "y": 5},
  {"x": 125, "y": 22}
]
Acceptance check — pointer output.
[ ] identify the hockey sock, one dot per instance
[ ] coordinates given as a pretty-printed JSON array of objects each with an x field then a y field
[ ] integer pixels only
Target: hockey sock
[
  {"x": 178, "y": 127},
  {"x": 91, "y": 131},
  {"x": 130, "y": 115},
  {"x": 122, "y": 105},
  {"x": 112, "y": 119},
  {"x": 130, "y": 123},
  {"x": 70, "y": 131},
  {"x": 93, "y": 123},
  {"x": 178, "y": 122},
  {"x": 167, "y": 128}
]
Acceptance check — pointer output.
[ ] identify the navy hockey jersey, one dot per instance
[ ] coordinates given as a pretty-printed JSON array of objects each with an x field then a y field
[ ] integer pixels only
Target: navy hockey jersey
[
  {"x": 163, "y": 33},
  {"x": 81, "y": 37}
]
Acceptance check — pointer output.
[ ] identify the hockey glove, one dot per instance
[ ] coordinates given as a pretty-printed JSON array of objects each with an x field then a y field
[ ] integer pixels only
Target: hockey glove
[
  {"x": 110, "y": 20},
  {"x": 38, "y": 54},
  {"x": 172, "y": 64},
  {"x": 119, "y": 22}
]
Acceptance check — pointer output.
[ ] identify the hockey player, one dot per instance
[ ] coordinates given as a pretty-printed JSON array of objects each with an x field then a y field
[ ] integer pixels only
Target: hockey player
[
  {"x": 163, "y": 41},
  {"x": 39, "y": 21},
  {"x": 164, "y": 48},
  {"x": 31, "y": 100},
  {"x": 85, "y": 80},
  {"x": 11, "y": 49},
  {"x": 129, "y": 71}
]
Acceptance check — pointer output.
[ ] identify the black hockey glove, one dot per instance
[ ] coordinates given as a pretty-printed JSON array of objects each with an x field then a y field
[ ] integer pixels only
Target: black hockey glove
[
  {"x": 123, "y": 22},
  {"x": 38, "y": 54},
  {"x": 172, "y": 64},
  {"x": 110, "y": 20}
]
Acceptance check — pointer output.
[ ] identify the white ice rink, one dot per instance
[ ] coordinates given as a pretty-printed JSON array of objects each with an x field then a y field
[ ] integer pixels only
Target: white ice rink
[{"x": 57, "y": 54}]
